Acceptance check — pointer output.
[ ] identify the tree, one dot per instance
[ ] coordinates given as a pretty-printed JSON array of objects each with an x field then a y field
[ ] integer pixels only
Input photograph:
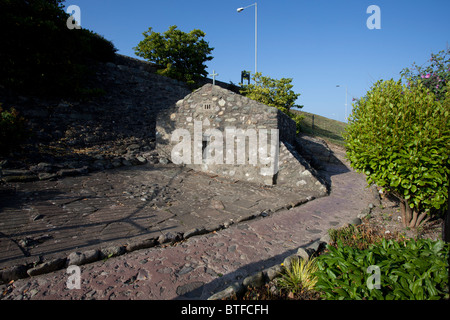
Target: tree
[
  {"x": 274, "y": 93},
  {"x": 40, "y": 55},
  {"x": 181, "y": 55},
  {"x": 399, "y": 136}
]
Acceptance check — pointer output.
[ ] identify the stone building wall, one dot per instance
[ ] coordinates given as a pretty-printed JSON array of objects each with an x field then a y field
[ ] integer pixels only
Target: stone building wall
[{"x": 212, "y": 110}]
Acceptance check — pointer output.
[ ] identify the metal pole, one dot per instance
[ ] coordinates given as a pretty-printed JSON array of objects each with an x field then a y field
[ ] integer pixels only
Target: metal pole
[
  {"x": 256, "y": 31},
  {"x": 346, "y": 94},
  {"x": 256, "y": 37}
]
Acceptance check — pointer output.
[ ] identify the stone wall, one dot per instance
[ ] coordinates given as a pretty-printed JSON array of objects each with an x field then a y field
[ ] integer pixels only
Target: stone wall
[
  {"x": 117, "y": 128},
  {"x": 113, "y": 129},
  {"x": 214, "y": 108},
  {"x": 212, "y": 111}
]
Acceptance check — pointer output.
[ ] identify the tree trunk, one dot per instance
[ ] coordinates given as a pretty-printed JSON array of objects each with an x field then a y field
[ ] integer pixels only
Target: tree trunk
[
  {"x": 408, "y": 214},
  {"x": 412, "y": 223},
  {"x": 411, "y": 218},
  {"x": 403, "y": 212},
  {"x": 421, "y": 219}
]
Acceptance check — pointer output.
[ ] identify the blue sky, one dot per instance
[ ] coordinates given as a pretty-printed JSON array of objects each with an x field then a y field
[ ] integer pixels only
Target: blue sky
[{"x": 319, "y": 43}]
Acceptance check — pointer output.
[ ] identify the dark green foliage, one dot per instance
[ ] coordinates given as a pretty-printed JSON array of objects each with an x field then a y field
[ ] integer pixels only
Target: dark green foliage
[
  {"x": 40, "y": 55},
  {"x": 410, "y": 270},
  {"x": 181, "y": 55},
  {"x": 12, "y": 130},
  {"x": 399, "y": 137},
  {"x": 274, "y": 93}
]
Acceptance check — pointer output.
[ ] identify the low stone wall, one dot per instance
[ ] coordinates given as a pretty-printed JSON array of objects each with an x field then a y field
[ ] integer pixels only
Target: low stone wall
[
  {"x": 295, "y": 172},
  {"x": 315, "y": 151}
]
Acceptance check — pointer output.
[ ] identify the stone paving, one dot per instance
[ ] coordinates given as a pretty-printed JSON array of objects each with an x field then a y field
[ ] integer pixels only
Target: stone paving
[
  {"x": 45, "y": 220},
  {"x": 194, "y": 268}
]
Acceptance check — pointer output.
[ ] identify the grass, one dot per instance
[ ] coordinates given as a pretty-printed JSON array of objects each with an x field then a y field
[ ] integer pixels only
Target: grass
[
  {"x": 299, "y": 277},
  {"x": 327, "y": 129}
]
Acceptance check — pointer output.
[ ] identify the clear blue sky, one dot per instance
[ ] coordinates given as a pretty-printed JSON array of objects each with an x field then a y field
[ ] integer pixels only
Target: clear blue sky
[{"x": 320, "y": 43}]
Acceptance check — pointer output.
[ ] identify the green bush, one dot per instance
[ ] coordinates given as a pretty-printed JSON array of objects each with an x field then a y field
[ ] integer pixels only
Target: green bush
[
  {"x": 40, "y": 55},
  {"x": 12, "y": 130},
  {"x": 181, "y": 55},
  {"x": 411, "y": 270},
  {"x": 399, "y": 137},
  {"x": 435, "y": 75},
  {"x": 274, "y": 93}
]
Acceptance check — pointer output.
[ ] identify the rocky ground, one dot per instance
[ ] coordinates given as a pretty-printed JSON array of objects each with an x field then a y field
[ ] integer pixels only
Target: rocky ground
[{"x": 387, "y": 217}]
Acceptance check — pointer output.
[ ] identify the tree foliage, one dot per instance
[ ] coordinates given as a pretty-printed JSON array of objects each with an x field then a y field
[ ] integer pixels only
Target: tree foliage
[
  {"x": 181, "y": 55},
  {"x": 40, "y": 55},
  {"x": 274, "y": 93},
  {"x": 399, "y": 137}
]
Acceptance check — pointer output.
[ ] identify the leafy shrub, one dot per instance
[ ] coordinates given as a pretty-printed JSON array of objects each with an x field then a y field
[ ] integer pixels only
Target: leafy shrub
[
  {"x": 299, "y": 276},
  {"x": 399, "y": 137},
  {"x": 40, "y": 55},
  {"x": 12, "y": 130},
  {"x": 411, "y": 270},
  {"x": 435, "y": 76},
  {"x": 181, "y": 55},
  {"x": 274, "y": 93}
]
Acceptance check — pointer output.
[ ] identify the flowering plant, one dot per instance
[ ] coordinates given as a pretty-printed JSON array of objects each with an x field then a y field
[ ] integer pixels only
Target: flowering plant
[{"x": 434, "y": 75}]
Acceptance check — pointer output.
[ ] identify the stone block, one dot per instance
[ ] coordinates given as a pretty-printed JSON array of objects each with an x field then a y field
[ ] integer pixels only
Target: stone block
[
  {"x": 255, "y": 280},
  {"x": 46, "y": 267},
  {"x": 272, "y": 272}
]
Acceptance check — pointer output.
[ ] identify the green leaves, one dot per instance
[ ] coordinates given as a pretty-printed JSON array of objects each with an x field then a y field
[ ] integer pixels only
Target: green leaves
[
  {"x": 271, "y": 92},
  {"x": 299, "y": 276},
  {"x": 181, "y": 55},
  {"x": 274, "y": 93},
  {"x": 412, "y": 270},
  {"x": 399, "y": 137}
]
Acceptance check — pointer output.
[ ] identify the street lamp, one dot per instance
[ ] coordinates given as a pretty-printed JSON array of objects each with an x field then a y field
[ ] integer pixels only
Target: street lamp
[
  {"x": 346, "y": 94},
  {"x": 256, "y": 31}
]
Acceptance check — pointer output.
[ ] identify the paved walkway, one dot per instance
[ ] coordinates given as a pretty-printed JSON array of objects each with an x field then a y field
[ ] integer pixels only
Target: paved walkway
[
  {"x": 45, "y": 220},
  {"x": 204, "y": 264}
]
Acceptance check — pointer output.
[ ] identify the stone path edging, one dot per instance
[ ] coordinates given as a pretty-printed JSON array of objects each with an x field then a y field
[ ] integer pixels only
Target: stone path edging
[
  {"x": 78, "y": 258},
  {"x": 260, "y": 278}
]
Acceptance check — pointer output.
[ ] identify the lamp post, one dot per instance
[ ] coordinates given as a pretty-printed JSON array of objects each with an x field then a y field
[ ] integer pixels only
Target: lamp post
[
  {"x": 256, "y": 31},
  {"x": 346, "y": 94}
]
